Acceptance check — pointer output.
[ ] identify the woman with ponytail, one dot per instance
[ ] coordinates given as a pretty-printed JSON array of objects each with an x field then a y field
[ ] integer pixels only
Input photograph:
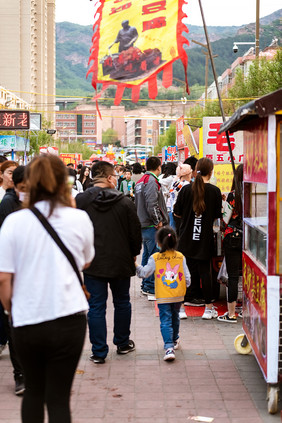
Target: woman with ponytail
[
  {"x": 198, "y": 205},
  {"x": 41, "y": 290}
]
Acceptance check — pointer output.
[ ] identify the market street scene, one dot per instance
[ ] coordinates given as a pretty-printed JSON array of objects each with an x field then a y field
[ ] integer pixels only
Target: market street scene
[{"x": 140, "y": 211}]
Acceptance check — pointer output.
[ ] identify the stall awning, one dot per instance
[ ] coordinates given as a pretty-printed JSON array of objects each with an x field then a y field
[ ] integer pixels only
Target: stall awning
[{"x": 262, "y": 107}]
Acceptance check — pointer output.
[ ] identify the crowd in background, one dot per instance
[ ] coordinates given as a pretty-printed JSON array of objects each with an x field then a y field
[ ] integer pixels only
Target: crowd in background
[{"x": 96, "y": 220}]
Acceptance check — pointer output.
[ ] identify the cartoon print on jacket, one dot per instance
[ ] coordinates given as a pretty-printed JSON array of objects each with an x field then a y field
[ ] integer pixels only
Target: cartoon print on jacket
[{"x": 169, "y": 279}]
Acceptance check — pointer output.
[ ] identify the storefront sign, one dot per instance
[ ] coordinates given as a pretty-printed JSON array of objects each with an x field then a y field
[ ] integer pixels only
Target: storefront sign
[
  {"x": 190, "y": 141},
  {"x": 255, "y": 309},
  {"x": 14, "y": 120},
  {"x": 169, "y": 154},
  {"x": 255, "y": 151},
  {"x": 13, "y": 142},
  {"x": 215, "y": 146},
  {"x": 224, "y": 177},
  {"x": 134, "y": 41}
]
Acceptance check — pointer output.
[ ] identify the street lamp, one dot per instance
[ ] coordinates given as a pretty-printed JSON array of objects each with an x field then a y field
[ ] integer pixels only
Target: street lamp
[{"x": 236, "y": 44}]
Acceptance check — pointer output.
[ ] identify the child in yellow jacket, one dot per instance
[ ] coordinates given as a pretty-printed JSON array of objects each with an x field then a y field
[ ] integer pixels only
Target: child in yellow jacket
[{"x": 171, "y": 279}]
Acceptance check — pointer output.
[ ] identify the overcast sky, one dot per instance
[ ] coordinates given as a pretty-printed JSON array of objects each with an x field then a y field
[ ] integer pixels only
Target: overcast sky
[{"x": 217, "y": 12}]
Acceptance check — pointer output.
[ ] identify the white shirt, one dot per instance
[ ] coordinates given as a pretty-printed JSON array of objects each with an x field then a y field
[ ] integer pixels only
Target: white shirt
[
  {"x": 45, "y": 286},
  {"x": 2, "y": 193}
]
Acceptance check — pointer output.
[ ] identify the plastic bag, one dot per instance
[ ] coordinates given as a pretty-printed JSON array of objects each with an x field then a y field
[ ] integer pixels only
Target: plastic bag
[{"x": 222, "y": 276}]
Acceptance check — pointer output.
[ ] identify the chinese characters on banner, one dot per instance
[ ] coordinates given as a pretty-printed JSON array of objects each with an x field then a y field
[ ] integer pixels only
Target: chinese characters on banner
[
  {"x": 255, "y": 307},
  {"x": 135, "y": 40},
  {"x": 14, "y": 120},
  {"x": 180, "y": 142},
  {"x": 255, "y": 151},
  {"x": 215, "y": 147},
  {"x": 169, "y": 154}
]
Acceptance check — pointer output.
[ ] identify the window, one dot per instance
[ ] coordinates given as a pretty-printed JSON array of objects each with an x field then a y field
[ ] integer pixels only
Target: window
[
  {"x": 149, "y": 140},
  {"x": 149, "y": 122},
  {"x": 149, "y": 131}
]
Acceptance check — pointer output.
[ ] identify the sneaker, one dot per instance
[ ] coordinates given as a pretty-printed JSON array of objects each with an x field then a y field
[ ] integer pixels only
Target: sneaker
[
  {"x": 19, "y": 385},
  {"x": 96, "y": 359},
  {"x": 126, "y": 348},
  {"x": 182, "y": 314},
  {"x": 195, "y": 302},
  {"x": 2, "y": 347},
  {"x": 225, "y": 318},
  {"x": 210, "y": 313},
  {"x": 145, "y": 292},
  {"x": 240, "y": 314},
  {"x": 169, "y": 355},
  {"x": 176, "y": 344}
]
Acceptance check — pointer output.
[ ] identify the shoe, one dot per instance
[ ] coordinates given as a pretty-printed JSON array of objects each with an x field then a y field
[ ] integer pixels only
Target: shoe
[
  {"x": 126, "y": 348},
  {"x": 240, "y": 314},
  {"x": 2, "y": 347},
  {"x": 96, "y": 359},
  {"x": 169, "y": 355},
  {"x": 195, "y": 302},
  {"x": 19, "y": 385},
  {"x": 225, "y": 318},
  {"x": 176, "y": 344},
  {"x": 145, "y": 292},
  {"x": 182, "y": 314},
  {"x": 210, "y": 313},
  {"x": 151, "y": 297}
]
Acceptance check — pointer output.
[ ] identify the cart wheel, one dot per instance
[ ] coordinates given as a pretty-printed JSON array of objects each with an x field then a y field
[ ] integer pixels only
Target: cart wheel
[
  {"x": 242, "y": 345},
  {"x": 272, "y": 399}
]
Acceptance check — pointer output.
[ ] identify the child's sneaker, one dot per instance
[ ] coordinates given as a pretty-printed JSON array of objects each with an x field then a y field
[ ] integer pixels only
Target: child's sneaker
[
  {"x": 176, "y": 344},
  {"x": 169, "y": 355},
  {"x": 210, "y": 313},
  {"x": 225, "y": 318}
]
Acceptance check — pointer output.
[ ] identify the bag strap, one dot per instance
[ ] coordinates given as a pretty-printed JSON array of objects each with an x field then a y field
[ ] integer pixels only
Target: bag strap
[{"x": 58, "y": 241}]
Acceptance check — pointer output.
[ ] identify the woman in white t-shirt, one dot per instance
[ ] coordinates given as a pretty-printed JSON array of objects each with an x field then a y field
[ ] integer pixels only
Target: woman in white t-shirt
[{"x": 46, "y": 300}]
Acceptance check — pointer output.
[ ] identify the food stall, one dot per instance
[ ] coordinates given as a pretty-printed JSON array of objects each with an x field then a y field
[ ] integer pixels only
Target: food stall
[{"x": 261, "y": 123}]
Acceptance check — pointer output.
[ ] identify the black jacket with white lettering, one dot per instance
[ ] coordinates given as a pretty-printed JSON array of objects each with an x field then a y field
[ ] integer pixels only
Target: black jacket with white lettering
[{"x": 196, "y": 232}]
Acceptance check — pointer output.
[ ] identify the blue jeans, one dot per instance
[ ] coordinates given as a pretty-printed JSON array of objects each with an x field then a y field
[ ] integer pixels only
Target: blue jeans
[
  {"x": 170, "y": 322},
  {"x": 98, "y": 288},
  {"x": 171, "y": 220},
  {"x": 149, "y": 248}
]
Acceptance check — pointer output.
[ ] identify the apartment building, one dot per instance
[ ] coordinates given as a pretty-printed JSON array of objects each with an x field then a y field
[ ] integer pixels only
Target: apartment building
[
  {"x": 27, "y": 45},
  {"x": 78, "y": 124},
  {"x": 145, "y": 131}
]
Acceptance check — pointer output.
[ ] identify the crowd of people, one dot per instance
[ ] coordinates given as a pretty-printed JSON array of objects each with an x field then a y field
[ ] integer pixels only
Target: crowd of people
[{"x": 57, "y": 221}]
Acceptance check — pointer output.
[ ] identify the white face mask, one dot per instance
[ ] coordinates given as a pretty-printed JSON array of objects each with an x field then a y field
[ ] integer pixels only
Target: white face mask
[{"x": 22, "y": 196}]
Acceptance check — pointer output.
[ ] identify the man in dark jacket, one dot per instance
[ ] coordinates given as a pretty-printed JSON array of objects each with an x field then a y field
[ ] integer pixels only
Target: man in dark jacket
[
  {"x": 152, "y": 212},
  {"x": 117, "y": 234}
]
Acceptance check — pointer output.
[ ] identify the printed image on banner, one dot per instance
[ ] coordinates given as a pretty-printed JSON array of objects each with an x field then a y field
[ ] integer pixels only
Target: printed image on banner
[{"x": 134, "y": 40}]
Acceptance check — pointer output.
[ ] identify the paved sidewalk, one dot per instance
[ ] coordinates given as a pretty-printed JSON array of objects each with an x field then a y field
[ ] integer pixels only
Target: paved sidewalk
[{"x": 208, "y": 378}]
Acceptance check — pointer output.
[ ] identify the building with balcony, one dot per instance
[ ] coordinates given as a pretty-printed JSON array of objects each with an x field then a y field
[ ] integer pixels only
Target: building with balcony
[
  {"x": 9, "y": 100},
  {"x": 27, "y": 45},
  {"x": 78, "y": 124}
]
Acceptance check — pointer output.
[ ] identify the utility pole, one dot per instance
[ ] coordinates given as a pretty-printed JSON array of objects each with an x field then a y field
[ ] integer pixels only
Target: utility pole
[
  {"x": 206, "y": 53},
  {"x": 257, "y": 29}
]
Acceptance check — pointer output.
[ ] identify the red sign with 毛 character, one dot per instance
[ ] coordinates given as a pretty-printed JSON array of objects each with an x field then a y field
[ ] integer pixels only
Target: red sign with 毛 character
[
  {"x": 14, "y": 120},
  {"x": 255, "y": 309},
  {"x": 255, "y": 152},
  {"x": 135, "y": 40}
]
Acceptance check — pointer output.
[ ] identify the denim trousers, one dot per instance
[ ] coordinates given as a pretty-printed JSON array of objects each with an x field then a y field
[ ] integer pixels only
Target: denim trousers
[
  {"x": 149, "y": 248},
  {"x": 170, "y": 322},
  {"x": 49, "y": 353},
  {"x": 98, "y": 289}
]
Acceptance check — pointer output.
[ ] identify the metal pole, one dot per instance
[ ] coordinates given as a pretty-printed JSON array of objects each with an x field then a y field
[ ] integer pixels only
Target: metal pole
[
  {"x": 216, "y": 84},
  {"x": 257, "y": 29},
  {"x": 206, "y": 78}
]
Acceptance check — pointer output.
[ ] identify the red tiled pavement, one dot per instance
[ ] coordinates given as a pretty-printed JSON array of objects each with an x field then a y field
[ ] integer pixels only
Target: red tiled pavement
[{"x": 140, "y": 387}]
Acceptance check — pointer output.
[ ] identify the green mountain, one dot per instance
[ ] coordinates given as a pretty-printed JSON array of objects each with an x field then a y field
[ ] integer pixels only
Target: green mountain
[{"x": 73, "y": 43}]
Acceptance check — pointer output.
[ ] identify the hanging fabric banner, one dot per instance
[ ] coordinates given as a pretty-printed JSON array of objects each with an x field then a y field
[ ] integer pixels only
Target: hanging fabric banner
[{"x": 135, "y": 40}]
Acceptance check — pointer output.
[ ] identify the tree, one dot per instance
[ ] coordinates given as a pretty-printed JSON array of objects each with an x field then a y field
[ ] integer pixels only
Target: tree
[
  {"x": 110, "y": 136},
  {"x": 167, "y": 139}
]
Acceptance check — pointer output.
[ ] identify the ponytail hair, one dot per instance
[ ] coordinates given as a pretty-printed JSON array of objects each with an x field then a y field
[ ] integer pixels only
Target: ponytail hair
[
  {"x": 204, "y": 167},
  {"x": 166, "y": 238},
  {"x": 46, "y": 179}
]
